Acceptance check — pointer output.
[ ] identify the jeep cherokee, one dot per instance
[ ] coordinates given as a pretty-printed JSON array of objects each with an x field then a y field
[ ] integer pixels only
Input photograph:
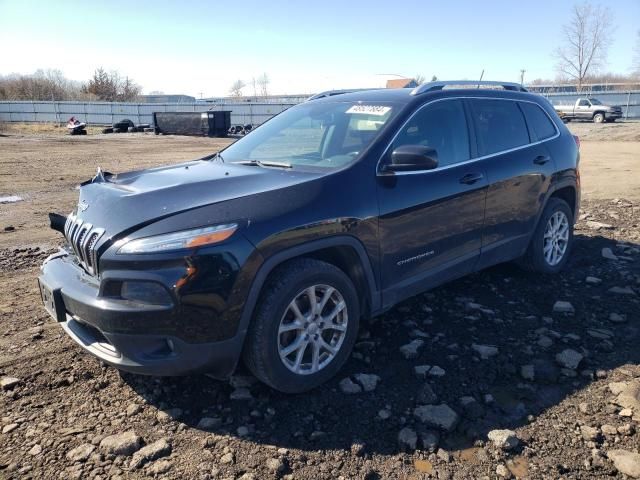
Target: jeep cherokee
[{"x": 335, "y": 210}]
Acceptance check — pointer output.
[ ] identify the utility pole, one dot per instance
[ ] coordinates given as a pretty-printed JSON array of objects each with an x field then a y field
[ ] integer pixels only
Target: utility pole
[{"x": 522, "y": 77}]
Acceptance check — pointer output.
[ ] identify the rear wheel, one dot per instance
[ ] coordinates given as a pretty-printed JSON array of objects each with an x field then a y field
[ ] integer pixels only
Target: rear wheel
[
  {"x": 305, "y": 326},
  {"x": 598, "y": 118},
  {"x": 551, "y": 243}
]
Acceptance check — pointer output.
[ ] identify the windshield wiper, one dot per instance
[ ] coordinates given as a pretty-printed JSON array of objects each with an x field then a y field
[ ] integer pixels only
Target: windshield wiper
[
  {"x": 214, "y": 156},
  {"x": 262, "y": 163}
]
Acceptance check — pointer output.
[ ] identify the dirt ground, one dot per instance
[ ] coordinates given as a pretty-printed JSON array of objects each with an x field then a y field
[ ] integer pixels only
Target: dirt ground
[{"x": 503, "y": 355}]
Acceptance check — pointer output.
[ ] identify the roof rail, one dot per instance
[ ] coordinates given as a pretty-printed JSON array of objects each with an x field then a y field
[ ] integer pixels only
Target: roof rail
[
  {"x": 331, "y": 93},
  {"x": 432, "y": 86}
]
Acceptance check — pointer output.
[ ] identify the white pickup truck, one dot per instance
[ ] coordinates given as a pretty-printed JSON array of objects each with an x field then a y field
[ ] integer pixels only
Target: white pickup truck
[{"x": 589, "y": 109}]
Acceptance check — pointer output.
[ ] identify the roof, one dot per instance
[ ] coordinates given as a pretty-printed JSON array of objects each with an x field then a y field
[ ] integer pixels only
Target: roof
[{"x": 402, "y": 83}]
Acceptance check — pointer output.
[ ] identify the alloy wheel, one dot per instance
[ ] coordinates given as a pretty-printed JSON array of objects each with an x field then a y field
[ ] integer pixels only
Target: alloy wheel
[
  {"x": 312, "y": 329},
  {"x": 556, "y": 238}
]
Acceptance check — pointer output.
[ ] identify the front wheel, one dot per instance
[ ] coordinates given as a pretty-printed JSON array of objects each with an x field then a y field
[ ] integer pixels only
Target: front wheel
[
  {"x": 305, "y": 326},
  {"x": 551, "y": 243}
]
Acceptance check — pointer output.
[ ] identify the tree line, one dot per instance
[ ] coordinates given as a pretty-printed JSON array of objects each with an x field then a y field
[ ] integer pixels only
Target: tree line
[{"x": 52, "y": 85}]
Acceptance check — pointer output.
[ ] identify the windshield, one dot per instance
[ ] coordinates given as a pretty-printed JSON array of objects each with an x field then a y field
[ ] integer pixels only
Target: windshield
[
  {"x": 595, "y": 101},
  {"x": 323, "y": 135}
]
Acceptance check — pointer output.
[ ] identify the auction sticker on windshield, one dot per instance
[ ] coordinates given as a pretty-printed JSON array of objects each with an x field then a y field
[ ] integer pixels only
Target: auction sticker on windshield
[{"x": 369, "y": 109}]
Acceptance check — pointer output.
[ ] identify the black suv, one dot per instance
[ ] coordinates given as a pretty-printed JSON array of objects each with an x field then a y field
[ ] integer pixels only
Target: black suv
[{"x": 335, "y": 210}]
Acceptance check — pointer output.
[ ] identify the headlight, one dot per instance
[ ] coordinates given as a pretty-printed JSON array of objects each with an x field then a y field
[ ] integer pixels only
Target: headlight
[{"x": 179, "y": 240}]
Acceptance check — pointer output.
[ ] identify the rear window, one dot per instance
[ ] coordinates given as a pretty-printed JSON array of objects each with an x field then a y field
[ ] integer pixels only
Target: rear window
[
  {"x": 539, "y": 122},
  {"x": 499, "y": 125}
]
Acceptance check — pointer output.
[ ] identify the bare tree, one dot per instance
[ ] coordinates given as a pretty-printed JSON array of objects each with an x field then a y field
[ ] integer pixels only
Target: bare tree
[
  {"x": 236, "y": 88},
  {"x": 254, "y": 84},
  {"x": 587, "y": 37},
  {"x": 263, "y": 83},
  {"x": 434, "y": 78}
]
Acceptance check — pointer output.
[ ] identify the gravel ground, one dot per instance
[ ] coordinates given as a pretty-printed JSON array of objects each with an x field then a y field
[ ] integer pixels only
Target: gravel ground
[{"x": 498, "y": 375}]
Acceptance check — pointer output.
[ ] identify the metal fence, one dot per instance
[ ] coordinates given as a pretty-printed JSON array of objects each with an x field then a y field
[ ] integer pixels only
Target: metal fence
[
  {"x": 104, "y": 113},
  {"x": 107, "y": 113}
]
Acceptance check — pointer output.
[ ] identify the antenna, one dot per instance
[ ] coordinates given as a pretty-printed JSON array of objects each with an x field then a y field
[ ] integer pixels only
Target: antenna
[{"x": 481, "y": 75}]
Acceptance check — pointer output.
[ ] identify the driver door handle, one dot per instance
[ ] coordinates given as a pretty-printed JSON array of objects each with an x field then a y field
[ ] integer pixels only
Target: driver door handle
[
  {"x": 471, "y": 178},
  {"x": 541, "y": 159}
]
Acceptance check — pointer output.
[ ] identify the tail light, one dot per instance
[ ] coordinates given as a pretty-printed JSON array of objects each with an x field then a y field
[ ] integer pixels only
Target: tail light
[{"x": 577, "y": 140}]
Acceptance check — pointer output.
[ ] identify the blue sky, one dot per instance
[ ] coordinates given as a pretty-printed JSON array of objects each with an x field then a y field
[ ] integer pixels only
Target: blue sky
[{"x": 196, "y": 47}]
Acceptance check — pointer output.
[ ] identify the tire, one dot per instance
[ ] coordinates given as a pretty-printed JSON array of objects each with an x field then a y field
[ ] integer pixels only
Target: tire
[
  {"x": 264, "y": 345},
  {"x": 534, "y": 259},
  {"x": 598, "y": 118}
]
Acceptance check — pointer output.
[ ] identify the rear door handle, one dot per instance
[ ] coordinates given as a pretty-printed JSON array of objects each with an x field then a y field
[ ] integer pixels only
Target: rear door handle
[
  {"x": 541, "y": 159},
  {"x": 471, "y": 178}
]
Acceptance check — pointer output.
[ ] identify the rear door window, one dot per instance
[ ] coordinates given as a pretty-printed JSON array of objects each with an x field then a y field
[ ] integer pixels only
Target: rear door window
[
  {"x": 499, "y": 125},
  {"x": 442, "y": 126},
  {"x": 539, "y": 122}
]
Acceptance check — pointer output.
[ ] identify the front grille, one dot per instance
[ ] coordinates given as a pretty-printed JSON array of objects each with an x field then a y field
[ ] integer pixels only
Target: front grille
[{"x": 83, "y": 237}]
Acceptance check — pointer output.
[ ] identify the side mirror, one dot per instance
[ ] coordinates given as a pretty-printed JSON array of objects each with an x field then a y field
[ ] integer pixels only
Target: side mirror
[{"x": 408, "y": 158}]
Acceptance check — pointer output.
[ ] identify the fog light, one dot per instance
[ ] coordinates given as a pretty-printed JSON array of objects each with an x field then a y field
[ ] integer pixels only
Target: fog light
[{"x": 145, "y": 292}]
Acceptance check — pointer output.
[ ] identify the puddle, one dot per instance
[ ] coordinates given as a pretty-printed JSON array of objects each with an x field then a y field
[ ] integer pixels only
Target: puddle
[
  {"x": 10, "y": 199},
  {"x": 423, "y": 466}
]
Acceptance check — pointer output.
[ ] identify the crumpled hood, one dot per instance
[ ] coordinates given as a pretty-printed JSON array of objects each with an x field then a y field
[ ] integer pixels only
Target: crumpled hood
[{"x": 123, "y": 201}]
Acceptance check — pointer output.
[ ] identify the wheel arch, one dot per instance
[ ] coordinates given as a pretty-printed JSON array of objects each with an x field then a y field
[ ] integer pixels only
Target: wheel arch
[{"x": 343, "y": 251}]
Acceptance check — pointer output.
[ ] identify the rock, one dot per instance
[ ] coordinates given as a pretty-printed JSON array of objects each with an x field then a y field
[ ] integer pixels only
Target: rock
[
  {"x": 160, "y": 467},
  {"x": 35, "y": 450},
  {"x": 242, "y": 431},
  {"x": 622, "y": 290},
  {"x": 569, "y": 359},
  {"x": 528, "y": 372},
  {"x": 133, "y": 409},
  {"x": 485, "y": 351},
  {"x": 593, "y": 225},
  {"x": 227, "y": 458},
  {"x": 241, "y": 393},
  {"x": 617, "y": 318},
  {"x": 627, "y": 463},
  {"x": 348, "y": 386},
  {"x": 367, "y": 380},
  {"x": 157, "y": 449},
  {"x": 7, "y": 383},
  {"x": 421, "y": 371},
  {"x": 593, "y": 280},
  {"x": 410, "y": 350},
  {"x": 437, "y": 371},
  {"x": 275, "y": 465},
  {"x": 80, "y": 453},
  {"x": 545, "y": 342},
  {"x": 617, "y": 387},
  {"x": 429, "y": 440},
  {"x": 443, "y": 455},
  {"x": 545, "y": 371},
  {"x": 589, "y": 434},
  {"x": 9, "y": 427},
  {"x": 629, "y": 398},
  {"x": 407, "y": 439},
  {"x": 504, "y": 439},
  {"x": 242, "y": 381},
  {"x": 440, "y": 416},
  {"x": 609, "y": 429},
  {"x": 426, "y": 395},
  {"x": 358, "y": 449},
  {"x": 472, "y": 409},
  {"x": 608, "y": 254},
  {"x": 563, "y": 307},
  {"x": 121, "y": 444},
  {"x": 384, "y": 414},
  {"x": 209, "y": 423},
  {"x": 503, "y": 471}
]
